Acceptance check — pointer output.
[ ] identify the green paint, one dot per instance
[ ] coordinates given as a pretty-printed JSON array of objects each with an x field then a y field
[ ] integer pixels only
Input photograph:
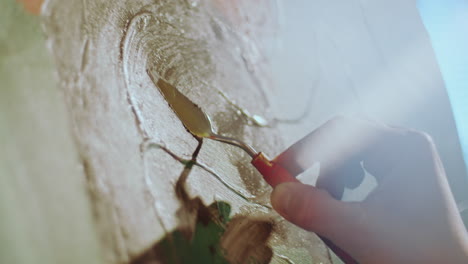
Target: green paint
[
  {"x": 204, "y": 246},
  {"x": 202, "y": 249},
  {"x": 224, "y": 210}
]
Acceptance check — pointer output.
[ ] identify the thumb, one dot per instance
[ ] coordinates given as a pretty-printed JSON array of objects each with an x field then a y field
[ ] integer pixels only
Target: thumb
[{"x": 317, "y": 211}]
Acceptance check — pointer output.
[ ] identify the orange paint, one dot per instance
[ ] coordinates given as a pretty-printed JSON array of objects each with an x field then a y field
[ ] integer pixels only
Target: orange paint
[{"x": 32, "y": 6}]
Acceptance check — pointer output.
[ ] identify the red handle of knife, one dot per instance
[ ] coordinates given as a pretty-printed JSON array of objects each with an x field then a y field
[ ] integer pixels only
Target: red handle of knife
[{"x": 274, "y": 174}]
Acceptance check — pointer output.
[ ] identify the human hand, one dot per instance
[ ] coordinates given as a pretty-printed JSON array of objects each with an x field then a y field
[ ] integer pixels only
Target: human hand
[{"x": 410, "y": 217}]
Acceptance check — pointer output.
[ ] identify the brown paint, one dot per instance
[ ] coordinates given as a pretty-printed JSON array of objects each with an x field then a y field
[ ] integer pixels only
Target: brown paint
[
  {"x": 246, "y": 240},
  {"x": 32, "y": 6}
]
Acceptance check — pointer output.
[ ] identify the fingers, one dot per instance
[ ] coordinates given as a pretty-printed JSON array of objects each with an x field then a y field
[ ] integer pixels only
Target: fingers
[
  {"x": 338, "y": 141},
  {"x": 316, "y": 210},
  {"x": 340, "y": 146},
  {"x": 337, "y": 178},
  {"x": 403, "y": 150}
]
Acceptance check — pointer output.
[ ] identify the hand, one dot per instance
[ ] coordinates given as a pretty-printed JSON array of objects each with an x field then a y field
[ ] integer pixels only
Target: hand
[{"x": 410, "y": 217}]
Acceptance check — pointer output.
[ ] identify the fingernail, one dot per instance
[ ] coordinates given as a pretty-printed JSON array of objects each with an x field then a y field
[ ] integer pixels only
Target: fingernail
[{"x": 282, "y": 196}]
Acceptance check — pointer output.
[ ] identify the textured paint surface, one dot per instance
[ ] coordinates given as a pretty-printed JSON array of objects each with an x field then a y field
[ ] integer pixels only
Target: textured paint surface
[
  {"x": 266, "y": 72},
  {"x": 133, "y": 144},
  {"x": 294, "y": 65}
]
